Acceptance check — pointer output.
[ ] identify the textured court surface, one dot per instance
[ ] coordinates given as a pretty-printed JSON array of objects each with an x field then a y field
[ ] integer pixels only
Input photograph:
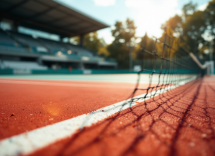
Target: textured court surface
[{"x": 179, "y": 122}]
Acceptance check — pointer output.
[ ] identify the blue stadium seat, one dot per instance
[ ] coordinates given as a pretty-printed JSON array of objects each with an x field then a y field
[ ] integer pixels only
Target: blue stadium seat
[{"x": 9, "y": 45}]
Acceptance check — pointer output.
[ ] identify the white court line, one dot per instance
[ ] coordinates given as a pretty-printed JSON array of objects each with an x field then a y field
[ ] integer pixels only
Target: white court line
[
  {"x": 31, "y": 141},
  {"x": 63, "y": 84},
  {"x": 132, "y": 81}
]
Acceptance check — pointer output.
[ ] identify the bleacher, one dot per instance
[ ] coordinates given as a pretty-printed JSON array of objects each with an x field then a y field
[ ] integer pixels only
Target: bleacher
[
  {"x": 36, "y": 21},
  {"x": 9, "y": 45},
  {"x": 14, "y": 42},
  {"x": 59, "y": 49},
  {"x": 27, "y": 43},
  {"x": 32, "y": 44},
  {"x": 22, "y": 65}
]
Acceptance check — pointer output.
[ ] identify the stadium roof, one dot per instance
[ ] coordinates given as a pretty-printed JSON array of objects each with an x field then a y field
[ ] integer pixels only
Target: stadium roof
[{"x": 49, "y": 16}]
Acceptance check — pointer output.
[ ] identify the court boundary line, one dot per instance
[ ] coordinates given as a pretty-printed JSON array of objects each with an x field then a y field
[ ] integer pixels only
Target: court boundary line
[
  {"x": 63, "y": 84},
  {"x": 29, "y": 142},
  {"x": 70, "y": 80}
]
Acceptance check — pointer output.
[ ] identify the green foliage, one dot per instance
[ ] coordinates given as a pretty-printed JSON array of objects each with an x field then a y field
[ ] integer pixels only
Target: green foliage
[
  {"x": 120, "y": 52},
  {"x": 146, "y": 43},
  {"x": 124, "y": 32},
  {"x": 75, "y": 40},
  {"x": 188, "y": 9},
  {"x": 210, "y": 17},
  {"x": 210, "y": 20},
  {"x": 174, "y": 26},
  {"x": 124, "y": 42},
  {"x": 187, "y": 30},
  {"x": 103, "y": 51},
  {"x": 191, "y": 28},
  {"x": 93, "y": 42}
]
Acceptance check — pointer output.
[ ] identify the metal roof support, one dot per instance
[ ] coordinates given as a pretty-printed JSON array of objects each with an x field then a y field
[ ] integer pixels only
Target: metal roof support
[
  {"x": 51, "y": 17},
  {"x": 15, "y": 26},
  {"x": 61, "y": 38},
  {"x": 16, "y": 6},
  {"x": 43, "y": 12},
  {"x": 0, "y": 23},
  {"x": 82, "y": 40}
]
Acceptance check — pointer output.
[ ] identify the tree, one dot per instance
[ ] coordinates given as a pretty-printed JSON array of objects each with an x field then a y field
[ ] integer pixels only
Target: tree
[
  {"x": 187, "y": 29},
  {"x": 103, "y": 51},
  {"x": 188, "y": 9},
  {"x": 210, "y": 21},
  {"x": 174, "y": 26},
  {"x": 193, "y": 29},
  {"x": 93, "y": 42},
  {"x": 148, "y": 44},
  {"x": 124, "y": 38},
  {"x": 74, "y": 40},
  {"x": 210, "y": 17}
]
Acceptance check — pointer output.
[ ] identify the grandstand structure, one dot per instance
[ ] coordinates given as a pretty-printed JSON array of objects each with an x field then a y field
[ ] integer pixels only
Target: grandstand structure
[{"x": 18, "y": 50}]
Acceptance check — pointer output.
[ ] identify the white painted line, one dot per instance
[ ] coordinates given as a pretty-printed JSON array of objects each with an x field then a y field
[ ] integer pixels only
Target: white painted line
[
  {"x": 132, "y": 81},
  {"x": 31, "y": 141},
  {"x": 64, "y": 84}
]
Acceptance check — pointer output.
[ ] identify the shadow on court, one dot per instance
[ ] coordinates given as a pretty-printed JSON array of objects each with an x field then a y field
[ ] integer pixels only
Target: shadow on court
[{"x": 178, "y": 122}]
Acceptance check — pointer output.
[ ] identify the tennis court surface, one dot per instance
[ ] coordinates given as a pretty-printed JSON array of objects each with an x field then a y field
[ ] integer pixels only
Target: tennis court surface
[
  {"x": 167, "y": 108},
  {"x": 89, "y": 115}
]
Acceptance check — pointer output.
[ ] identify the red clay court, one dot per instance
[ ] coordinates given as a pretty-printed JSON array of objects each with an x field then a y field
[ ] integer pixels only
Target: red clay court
[
  {"x": 69, "y": 89},
  {"x": 62, "y": 117}
]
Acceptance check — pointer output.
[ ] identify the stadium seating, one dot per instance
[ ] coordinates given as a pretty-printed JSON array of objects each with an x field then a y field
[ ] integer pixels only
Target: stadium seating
[
  {"x": 22, "y": 65},
  {"x": 5, "y": 39},
  {"x": 45, "y": 46},
  {"x": 69, "y": 50},
  {"x": 16, "y": 42},
  {"x": 28, "y": 41},
  {"x": 9, "y": 45}
]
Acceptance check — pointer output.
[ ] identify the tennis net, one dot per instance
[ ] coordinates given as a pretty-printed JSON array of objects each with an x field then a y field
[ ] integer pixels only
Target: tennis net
[{"x": 168, "y": 68}]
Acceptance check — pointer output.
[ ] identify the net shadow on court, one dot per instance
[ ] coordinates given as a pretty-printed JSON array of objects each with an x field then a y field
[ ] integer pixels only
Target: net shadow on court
[
  {"x": 192, "y": 115},
  {"x": 179, "y": 121}
]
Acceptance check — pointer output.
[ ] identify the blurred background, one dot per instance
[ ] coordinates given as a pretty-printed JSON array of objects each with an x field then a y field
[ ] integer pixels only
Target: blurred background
[{"x": 99, "y": 36}]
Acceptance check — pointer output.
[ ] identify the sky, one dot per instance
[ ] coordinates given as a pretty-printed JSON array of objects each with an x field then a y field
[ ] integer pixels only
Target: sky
[{"x": 148, "y": 15}]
